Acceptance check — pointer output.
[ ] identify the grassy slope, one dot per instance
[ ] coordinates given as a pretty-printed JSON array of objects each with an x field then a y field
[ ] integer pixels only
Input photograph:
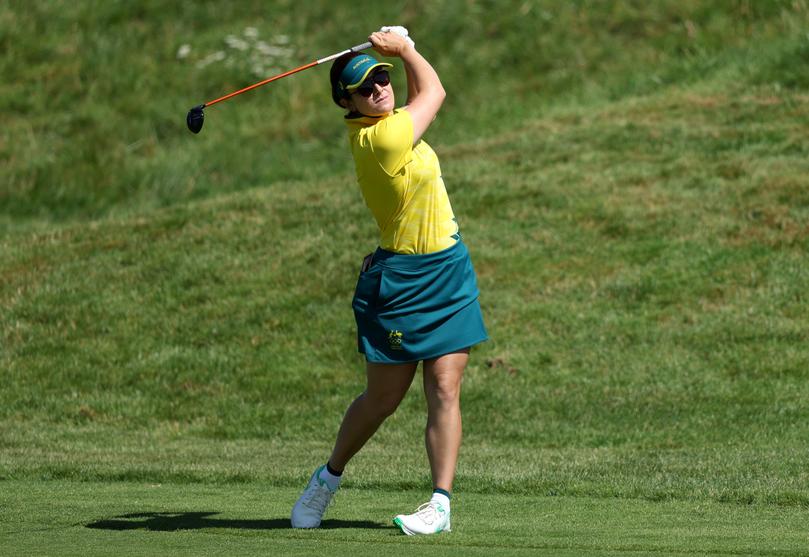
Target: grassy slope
[
  {"x": 641, "y": 247},
  {"x": 94, "y": 94},
  {"x": 614, "y": 300}
]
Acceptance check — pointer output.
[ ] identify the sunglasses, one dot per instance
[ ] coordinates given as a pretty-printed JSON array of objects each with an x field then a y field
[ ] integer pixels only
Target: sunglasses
[{"x": 366, "y": 89}]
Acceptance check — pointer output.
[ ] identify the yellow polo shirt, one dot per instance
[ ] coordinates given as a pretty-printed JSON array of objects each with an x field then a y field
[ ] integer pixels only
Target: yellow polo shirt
[{"x": 401, "y": 184}]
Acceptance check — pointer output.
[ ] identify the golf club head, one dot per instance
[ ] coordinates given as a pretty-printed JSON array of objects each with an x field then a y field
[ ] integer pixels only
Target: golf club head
[{"x": 195, "y": 118}]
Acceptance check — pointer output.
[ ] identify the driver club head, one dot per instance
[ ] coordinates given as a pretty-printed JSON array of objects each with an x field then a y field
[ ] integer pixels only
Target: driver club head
[{"x": 195, "y": 118}]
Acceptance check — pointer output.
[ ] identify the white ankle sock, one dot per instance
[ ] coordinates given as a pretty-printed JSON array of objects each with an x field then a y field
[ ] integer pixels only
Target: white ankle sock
[
  {"x": 331, "y": 480},
  {"x": 441, "y": 499}
]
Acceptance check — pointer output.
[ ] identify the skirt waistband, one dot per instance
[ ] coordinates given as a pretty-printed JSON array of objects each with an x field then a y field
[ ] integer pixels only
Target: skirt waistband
[{"x": 410, "y": 262}]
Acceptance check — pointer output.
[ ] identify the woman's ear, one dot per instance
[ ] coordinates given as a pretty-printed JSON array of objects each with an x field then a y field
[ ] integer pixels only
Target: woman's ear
[{"x": 346, "y": 103}]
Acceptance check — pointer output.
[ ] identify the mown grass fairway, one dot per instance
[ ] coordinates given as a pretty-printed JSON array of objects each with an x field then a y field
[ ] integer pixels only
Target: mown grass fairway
[
  {"x": 176, "y": 339},
  {"x": 70, "y": 518}
]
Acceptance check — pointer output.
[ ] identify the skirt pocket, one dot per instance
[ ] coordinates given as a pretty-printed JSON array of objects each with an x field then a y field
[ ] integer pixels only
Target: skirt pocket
[{"x": 366, "y": 293}]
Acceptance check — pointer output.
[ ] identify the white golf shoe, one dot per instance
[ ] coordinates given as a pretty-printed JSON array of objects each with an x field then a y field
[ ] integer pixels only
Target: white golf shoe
[
  {"x": 429, "y": 518},
  {"x": 308, "y": 510}
]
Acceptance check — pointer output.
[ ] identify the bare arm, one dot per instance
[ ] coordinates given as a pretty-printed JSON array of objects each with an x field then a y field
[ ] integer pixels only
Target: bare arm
[
  {"x": 425, "y": 92},
  {"x": 411, "y": 85}
]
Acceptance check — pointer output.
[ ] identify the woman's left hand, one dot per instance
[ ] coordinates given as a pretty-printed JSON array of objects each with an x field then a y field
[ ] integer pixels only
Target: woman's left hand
[
  {"x": 399, "y": 30},
  {"x": 389, "y": 44}
]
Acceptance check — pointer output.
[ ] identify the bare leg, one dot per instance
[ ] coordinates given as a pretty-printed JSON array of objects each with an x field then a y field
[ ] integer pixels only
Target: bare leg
[
  {"x": 442, "y": 388},
  {"x": 387, "y": 386}
]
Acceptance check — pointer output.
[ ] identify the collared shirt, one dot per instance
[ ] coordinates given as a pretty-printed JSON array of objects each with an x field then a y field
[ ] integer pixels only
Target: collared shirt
[{"x": 402, "y": 184}]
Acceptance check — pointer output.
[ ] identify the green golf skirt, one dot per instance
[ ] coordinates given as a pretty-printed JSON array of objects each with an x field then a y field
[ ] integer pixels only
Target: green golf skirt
[{"x": 416, "y": 307}]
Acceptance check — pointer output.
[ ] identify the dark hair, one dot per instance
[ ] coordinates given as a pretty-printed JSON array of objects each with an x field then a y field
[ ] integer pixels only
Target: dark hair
[{"x": 337, "y": 68}]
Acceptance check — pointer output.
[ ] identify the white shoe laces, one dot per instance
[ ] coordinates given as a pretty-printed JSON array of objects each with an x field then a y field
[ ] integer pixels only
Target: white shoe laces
[
  {"x": 319, "y": 497},
  {"x": 427, "y": 513}
]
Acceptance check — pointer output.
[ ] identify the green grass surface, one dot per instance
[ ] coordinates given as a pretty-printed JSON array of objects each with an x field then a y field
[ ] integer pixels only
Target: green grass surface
[
  {"x": 631, "y": 180},
  {"x": 149, "y": 519}
]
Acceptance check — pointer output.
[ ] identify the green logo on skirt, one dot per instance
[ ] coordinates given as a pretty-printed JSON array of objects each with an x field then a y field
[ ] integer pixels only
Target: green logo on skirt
[{"x": 395, "y": 340}]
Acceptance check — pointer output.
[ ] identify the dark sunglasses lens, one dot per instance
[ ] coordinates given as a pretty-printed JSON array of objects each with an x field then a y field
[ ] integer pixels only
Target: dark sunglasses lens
[
  {"x": 367, "y": 88},
  {"x": 382, "y": 78}
]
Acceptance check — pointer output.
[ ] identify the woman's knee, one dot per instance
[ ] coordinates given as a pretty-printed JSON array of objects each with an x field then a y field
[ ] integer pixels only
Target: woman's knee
[
  {"x": 445, "y": 389},
  {"x": 442, "y": 378}
]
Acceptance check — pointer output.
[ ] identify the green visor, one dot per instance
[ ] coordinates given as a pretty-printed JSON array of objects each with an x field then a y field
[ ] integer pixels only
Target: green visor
[{"x": 357, "y": 71}]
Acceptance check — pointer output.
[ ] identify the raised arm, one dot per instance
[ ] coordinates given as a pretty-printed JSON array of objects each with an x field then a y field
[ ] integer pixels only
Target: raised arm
[{"x": 425, "y": 92}]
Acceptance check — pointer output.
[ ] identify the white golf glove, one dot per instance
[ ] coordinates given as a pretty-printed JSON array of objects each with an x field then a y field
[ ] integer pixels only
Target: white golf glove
[{"x": 399, "y": 30}]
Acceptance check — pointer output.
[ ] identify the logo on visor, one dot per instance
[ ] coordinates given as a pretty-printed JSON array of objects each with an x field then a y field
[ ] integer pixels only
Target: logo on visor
[{"x": 360, "y": 62}]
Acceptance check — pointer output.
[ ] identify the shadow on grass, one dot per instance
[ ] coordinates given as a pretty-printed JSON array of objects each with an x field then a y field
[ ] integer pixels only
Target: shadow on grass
[{"x": 168, "y": 522}]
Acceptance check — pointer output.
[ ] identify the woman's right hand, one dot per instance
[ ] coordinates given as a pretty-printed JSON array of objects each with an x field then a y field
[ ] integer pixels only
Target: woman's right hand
[{"x": 389, "y": 44}]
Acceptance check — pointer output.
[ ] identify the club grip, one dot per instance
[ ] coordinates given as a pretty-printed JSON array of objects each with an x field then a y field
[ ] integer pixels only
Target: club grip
[{"x": 359, "y": 47}]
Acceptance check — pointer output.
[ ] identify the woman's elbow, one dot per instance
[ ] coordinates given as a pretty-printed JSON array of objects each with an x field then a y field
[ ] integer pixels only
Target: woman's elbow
[{"x": 439, "y": 95}]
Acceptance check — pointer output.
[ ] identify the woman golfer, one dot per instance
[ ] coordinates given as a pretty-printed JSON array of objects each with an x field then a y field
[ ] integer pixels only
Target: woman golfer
[{"x": 416, "y": 298}]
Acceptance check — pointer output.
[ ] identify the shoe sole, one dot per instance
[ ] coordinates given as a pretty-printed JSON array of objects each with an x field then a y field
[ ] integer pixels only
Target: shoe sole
[{"x": 398, "y": 522}]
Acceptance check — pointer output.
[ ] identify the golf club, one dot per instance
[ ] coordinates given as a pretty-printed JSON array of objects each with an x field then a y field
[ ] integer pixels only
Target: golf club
[{"x": 196, "y": 117}]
